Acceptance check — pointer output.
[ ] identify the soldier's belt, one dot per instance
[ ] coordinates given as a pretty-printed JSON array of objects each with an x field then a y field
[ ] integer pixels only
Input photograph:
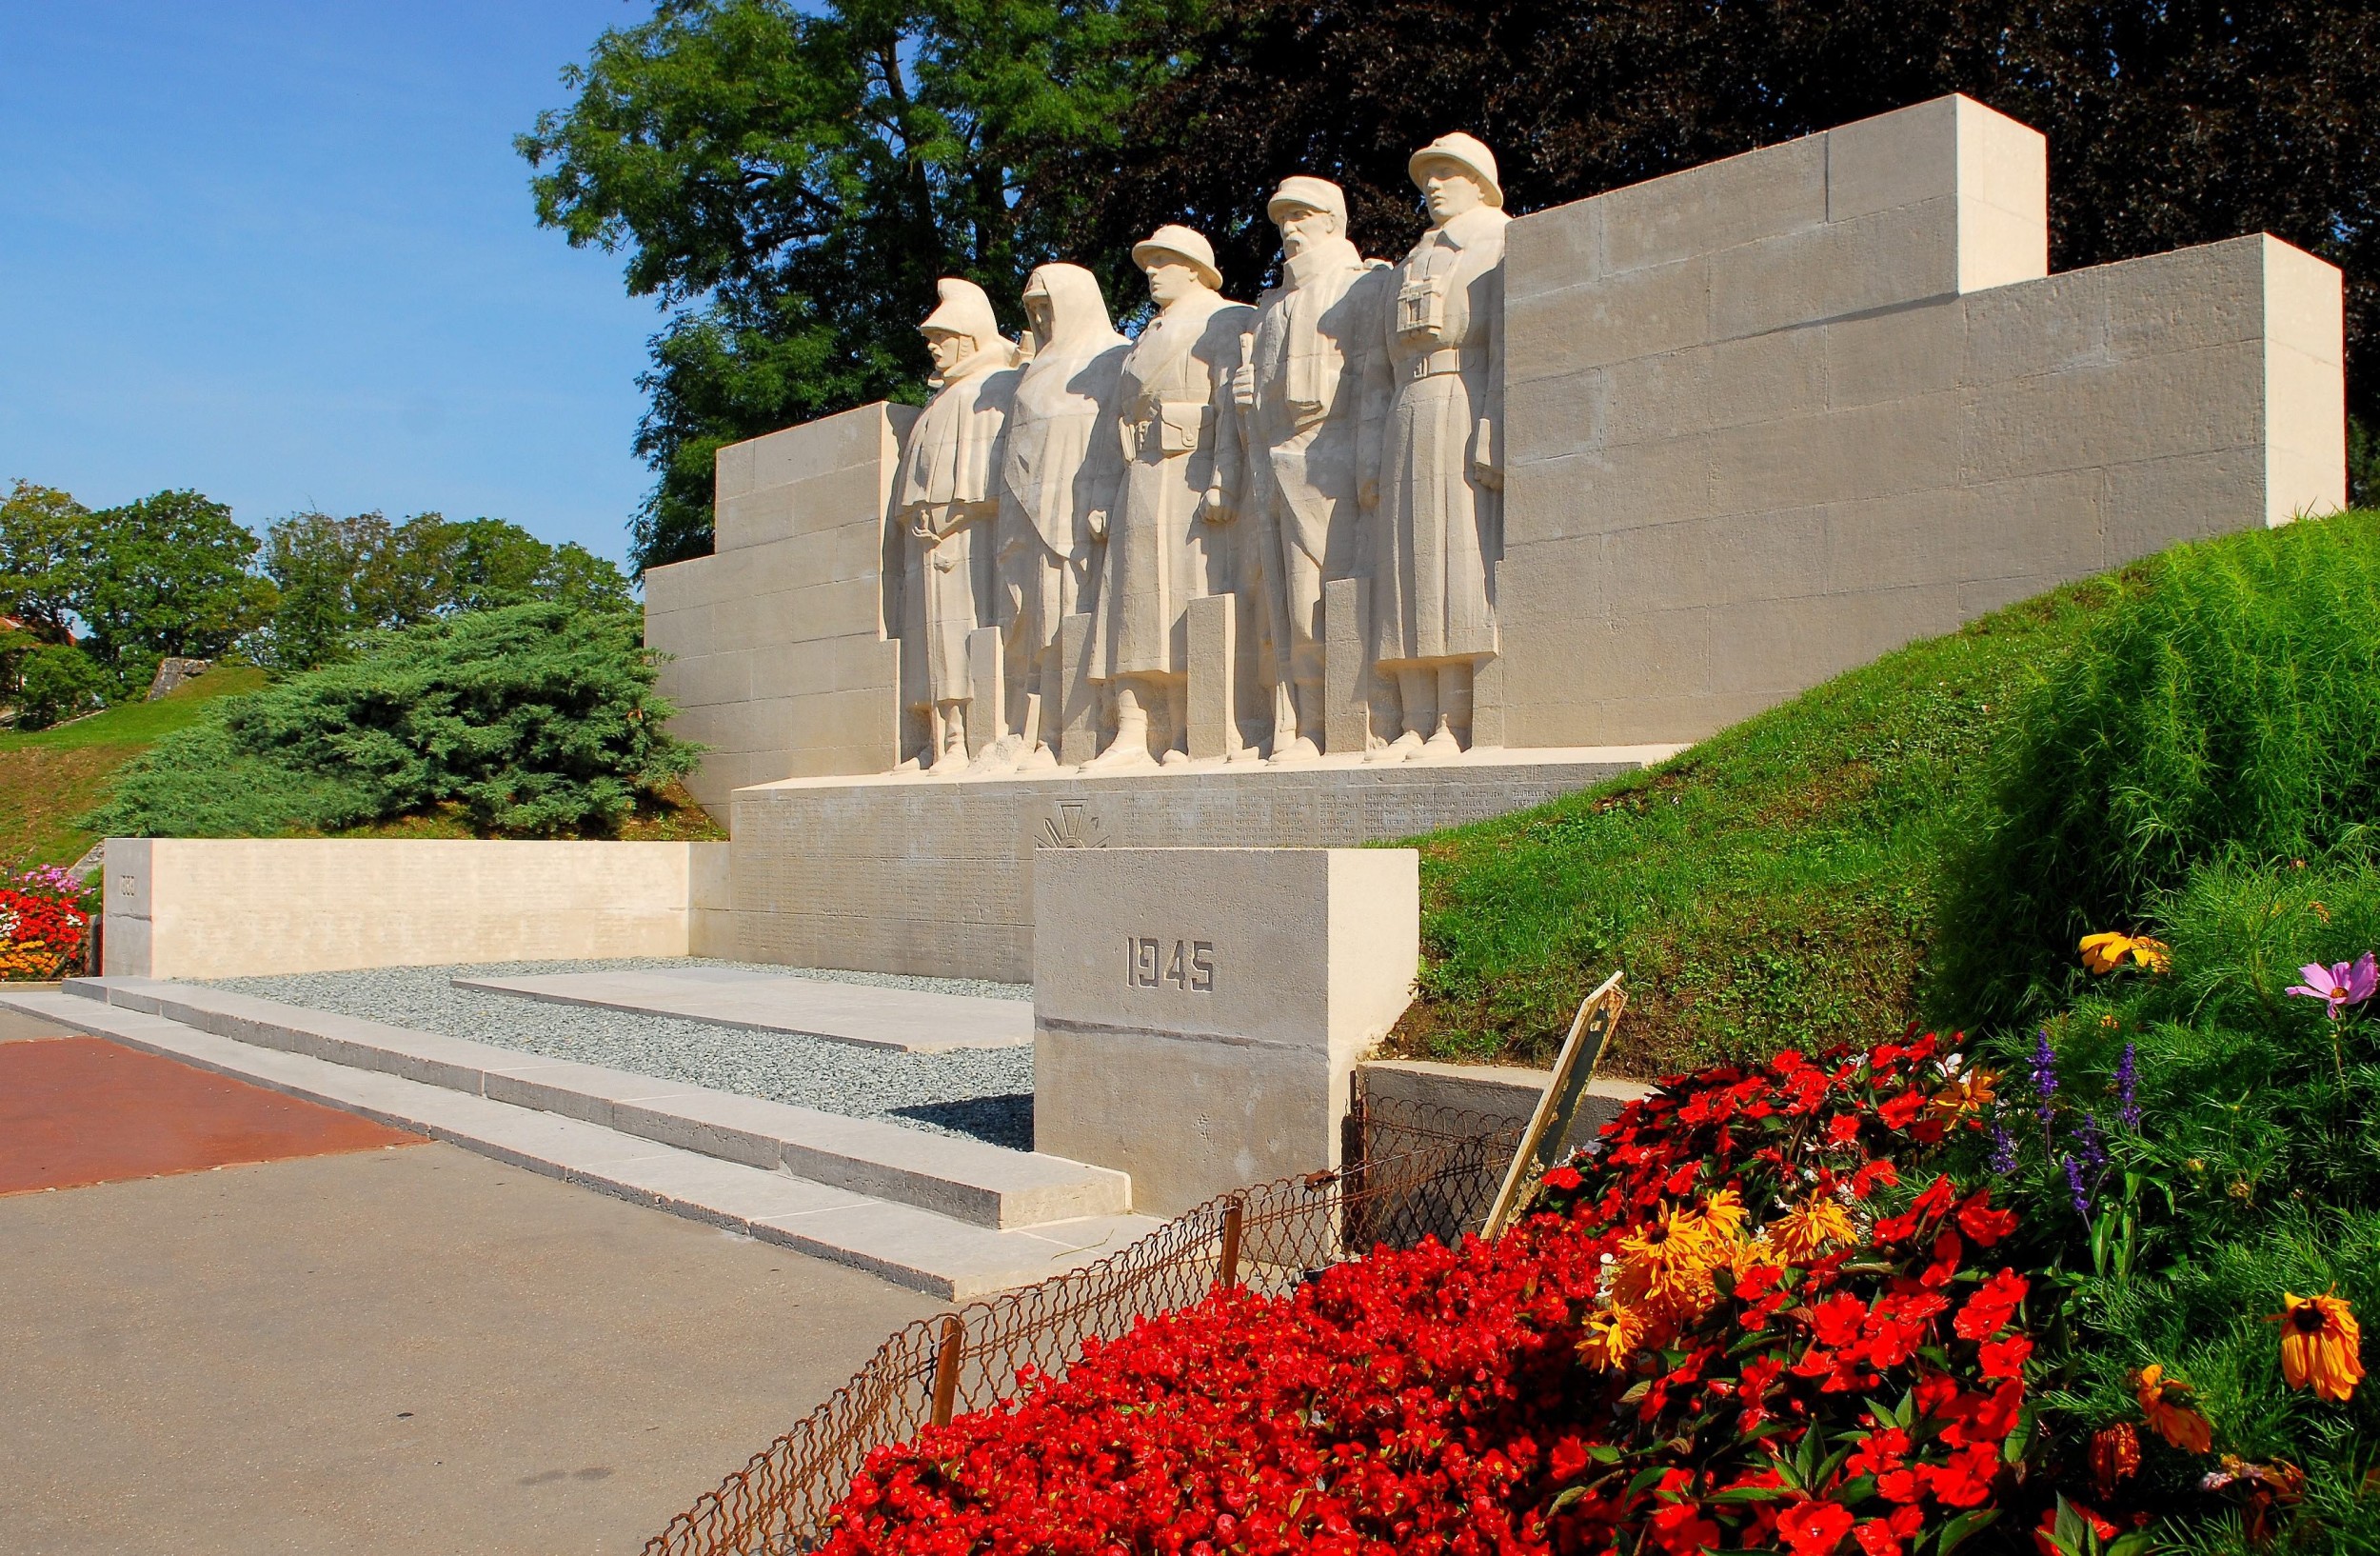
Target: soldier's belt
[{"x": 1430, "y": 363}]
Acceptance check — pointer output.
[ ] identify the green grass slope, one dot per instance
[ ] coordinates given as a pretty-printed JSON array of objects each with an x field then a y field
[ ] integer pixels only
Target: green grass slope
[
  {"x": 1773, "y": 886},
  {"x": 50, "y": 778}
]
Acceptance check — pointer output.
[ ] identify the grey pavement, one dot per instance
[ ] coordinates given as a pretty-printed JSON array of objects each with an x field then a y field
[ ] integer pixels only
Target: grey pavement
[
  {"x": 908, "y": 1020},
  {"x": 414, "y": 1350}
]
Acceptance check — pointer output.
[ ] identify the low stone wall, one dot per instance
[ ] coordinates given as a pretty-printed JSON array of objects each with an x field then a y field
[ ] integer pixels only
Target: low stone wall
[
  {"x": 1503, "y": 1092},
  {"x": 210, "y": 907}
]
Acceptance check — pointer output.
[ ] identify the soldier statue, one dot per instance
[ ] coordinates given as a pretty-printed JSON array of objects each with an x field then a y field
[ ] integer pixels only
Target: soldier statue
[
  {"x": 1440, "y": 523},
  {"x": 944, "y": 488},
  {"x": 1314, "y": 393},
  {"x": 1061, "y": 464},
  {"x": 1167, "y": 536}
]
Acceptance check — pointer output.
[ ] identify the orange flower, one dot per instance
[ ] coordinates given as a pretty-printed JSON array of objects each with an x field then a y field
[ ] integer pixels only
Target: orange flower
[
  {"x": 1613, "y": 1335},
  {"x": 2321, "y": 1344},
  {"x": 2106, "y": 952},
  {"x": 1968, "y": 1092},
  {"x": 2167, "y": 1403},
  {"x": 1801, "y": 1233}
]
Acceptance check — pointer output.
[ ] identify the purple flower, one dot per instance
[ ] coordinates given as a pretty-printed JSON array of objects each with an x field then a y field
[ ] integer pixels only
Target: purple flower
[
  {"x": 2340, "y": 985},
  {"x": 2094, "y": 1154},
  {"x": 2003, "y": 1149},
  {"x": 2075, "y": 1186},
  {"x": 2045, "y": 1073},
  {"x": 2127, "y": 1090}
]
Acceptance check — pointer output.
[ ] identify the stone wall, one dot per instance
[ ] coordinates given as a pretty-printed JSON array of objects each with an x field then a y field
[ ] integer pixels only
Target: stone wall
[
  {"x": 935, "y": 878},
  {"x": 233, "y": 907},
  {"x": 779, "y": 661},
  {"x": 1775, "y": 416}
]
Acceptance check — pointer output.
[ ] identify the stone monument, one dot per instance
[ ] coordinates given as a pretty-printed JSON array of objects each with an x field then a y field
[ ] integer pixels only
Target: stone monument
[
  {"x": 1556, "y": 494},
  {"x": 945, "y": 490}
]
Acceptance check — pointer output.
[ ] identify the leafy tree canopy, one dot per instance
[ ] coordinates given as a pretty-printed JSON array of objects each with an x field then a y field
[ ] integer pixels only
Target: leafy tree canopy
[
  {"x": 341, "y": 578},
  {"x": 794, "y": 181},
  {"x": 166, "y": 575},
  {"x": 790, "y": 180},
  {"x": 40, "y": 528}
]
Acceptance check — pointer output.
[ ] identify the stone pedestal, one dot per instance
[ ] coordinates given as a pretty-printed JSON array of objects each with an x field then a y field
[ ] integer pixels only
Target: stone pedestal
[{"x": 1198, "y": 1013}]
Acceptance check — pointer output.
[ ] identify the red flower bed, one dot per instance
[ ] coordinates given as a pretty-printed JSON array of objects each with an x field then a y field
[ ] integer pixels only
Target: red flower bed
[
  {"x": 41, "y": 935},
  {"x": 1731, "y": 1327}
]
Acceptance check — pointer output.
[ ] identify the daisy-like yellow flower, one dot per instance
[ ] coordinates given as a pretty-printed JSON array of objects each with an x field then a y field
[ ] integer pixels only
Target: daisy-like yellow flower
[
  {"x": 2321, "y": 1344},
  {"x": 1803, "y": 1232},
  {"x": 1661, "y": 1263},
  {"x": 2166, "y": 1403},
  {"x": 2108, "y": 951},
  {"x": 1614, "y": 1333},
  {"x": 1723, "y": 1216}
]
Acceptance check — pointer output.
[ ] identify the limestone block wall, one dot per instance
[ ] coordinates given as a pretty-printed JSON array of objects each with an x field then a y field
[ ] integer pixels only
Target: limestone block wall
[
  {"x": 233, "y": 908},
  {"x": 1775, "y": 416},
  {"x": 937, "y": 878},
  {"x": 780, "y": 659}
]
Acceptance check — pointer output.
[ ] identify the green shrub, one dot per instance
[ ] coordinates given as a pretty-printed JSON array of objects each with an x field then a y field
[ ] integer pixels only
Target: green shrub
[
  {"x": 2227, "y": 711},
  {"x": 535, "y": 720},
  {"x": 55, "y": 682}
]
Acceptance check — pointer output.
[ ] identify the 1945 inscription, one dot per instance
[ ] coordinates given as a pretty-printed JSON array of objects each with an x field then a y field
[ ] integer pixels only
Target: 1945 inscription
[{"x": 1190, "y": 967}]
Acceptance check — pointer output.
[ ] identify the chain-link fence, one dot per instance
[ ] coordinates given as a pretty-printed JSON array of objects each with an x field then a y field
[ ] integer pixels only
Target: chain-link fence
[{"x": 1411, "y": 1171}]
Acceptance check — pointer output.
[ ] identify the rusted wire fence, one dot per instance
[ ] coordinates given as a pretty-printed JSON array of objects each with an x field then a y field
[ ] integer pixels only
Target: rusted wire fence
[{"x": 1411, "y": 1171}]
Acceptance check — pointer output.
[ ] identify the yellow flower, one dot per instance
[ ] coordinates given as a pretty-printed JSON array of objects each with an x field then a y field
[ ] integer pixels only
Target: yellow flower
[
  {"x": 2167, "y": 1403},
  {"x": 2106, "y": 952},
  {"x": 2321, "y": 1344},
  {"x": 1722, "y": 1215},
  {"x": 1805, "y": 1230},
  {"x": 1613, "y": 1335}
]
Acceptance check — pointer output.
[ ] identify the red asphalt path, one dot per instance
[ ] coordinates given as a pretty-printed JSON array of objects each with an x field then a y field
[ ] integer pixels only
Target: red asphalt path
[{"x": 77, "y": 1111}]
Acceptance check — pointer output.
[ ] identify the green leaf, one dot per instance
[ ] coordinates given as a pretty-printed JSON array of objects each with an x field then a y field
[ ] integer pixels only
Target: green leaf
[{"x": 1955, "y": 1533}]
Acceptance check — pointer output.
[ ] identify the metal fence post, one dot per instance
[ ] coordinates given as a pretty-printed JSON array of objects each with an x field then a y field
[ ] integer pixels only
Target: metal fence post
[
  {"x": 946, "y": 1369},
  {"x": 1228, "y": 1273}
]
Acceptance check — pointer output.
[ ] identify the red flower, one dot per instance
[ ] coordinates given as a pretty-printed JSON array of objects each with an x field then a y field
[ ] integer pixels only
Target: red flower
[
  {"x": 1563, "y": 1178},
  {"x": 1814, "y": 1528},
  {"x": 1988, "y": 1311},
  {"x": 1680, "y": 1529},
  {"x": 1838, "y": 1320},
  {"x": 1966, "y": 1480},
  {"x": 1986, "y": 1226},
  {"x": 2006, "y": 1358},
  {"x": 1876, "y": 1538}
]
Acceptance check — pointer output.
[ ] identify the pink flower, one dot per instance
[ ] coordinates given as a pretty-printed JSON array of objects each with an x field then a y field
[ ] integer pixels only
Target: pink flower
[{"x": 2341, "y": 984}]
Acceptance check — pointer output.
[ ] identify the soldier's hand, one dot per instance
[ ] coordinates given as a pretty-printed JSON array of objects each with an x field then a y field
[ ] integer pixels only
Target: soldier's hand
[
  {"x": 1488, "y": 475},
  {"x": 1243, "y": 385},
  {"x": 1096, "y": 524},
  {"x": 1217, "y": 508},
  {"x": 1368, "y": 494}
]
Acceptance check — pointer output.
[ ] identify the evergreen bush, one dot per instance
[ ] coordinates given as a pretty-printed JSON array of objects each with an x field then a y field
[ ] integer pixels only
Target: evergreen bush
[
  {"x": 535, "y": 720},
  {"x": 2226, "y": 710}
]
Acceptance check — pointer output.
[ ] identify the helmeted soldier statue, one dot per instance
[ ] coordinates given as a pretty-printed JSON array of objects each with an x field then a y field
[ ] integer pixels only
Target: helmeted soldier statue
[
  {"x": 1061, "y": 464},
  {"x": 1314, "y": 393},
  {"x": 1440, "y": 527},
  {"x": 944, "y": 489},
  {"x": 1167, "y": 536}
]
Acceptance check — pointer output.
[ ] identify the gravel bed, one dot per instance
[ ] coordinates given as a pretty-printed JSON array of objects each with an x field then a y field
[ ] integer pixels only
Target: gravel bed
[{"x": 983, "y": 1093}]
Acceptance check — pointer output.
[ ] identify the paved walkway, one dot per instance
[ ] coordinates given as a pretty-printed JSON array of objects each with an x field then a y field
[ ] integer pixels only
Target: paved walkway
[{"x": 411, "y": 1349}]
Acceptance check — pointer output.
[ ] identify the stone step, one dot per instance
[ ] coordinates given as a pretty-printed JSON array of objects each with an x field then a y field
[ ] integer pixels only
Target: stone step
[
  {"x": 865, "y": 1015},
  {"x": 943, "y": 1257},
  {"x": 988, "y": 1185}
]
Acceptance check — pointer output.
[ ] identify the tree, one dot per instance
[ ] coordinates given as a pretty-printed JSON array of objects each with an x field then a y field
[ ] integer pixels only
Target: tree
[
  {"x": 166, "y": 575},
  {"x": 340, "y": 579},
  {"x": 2169, "y": 122},
  {"x": 789, "y": 181},
  {"x": 40, "y": 530}
]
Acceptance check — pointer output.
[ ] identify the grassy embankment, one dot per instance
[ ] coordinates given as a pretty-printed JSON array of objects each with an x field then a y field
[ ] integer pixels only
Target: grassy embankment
[
  {"x": 1773, "y": 886},
  {"x": 50, "y": 778}
]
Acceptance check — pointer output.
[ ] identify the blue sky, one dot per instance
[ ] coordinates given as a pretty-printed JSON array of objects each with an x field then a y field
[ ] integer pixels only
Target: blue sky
[{"x": 284, "y": 253}]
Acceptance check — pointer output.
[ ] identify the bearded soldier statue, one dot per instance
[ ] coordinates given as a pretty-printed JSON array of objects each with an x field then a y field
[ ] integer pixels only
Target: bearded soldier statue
[
  {"x": 944, "y": 490},
  {"x": 1314, "y": 393}
]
